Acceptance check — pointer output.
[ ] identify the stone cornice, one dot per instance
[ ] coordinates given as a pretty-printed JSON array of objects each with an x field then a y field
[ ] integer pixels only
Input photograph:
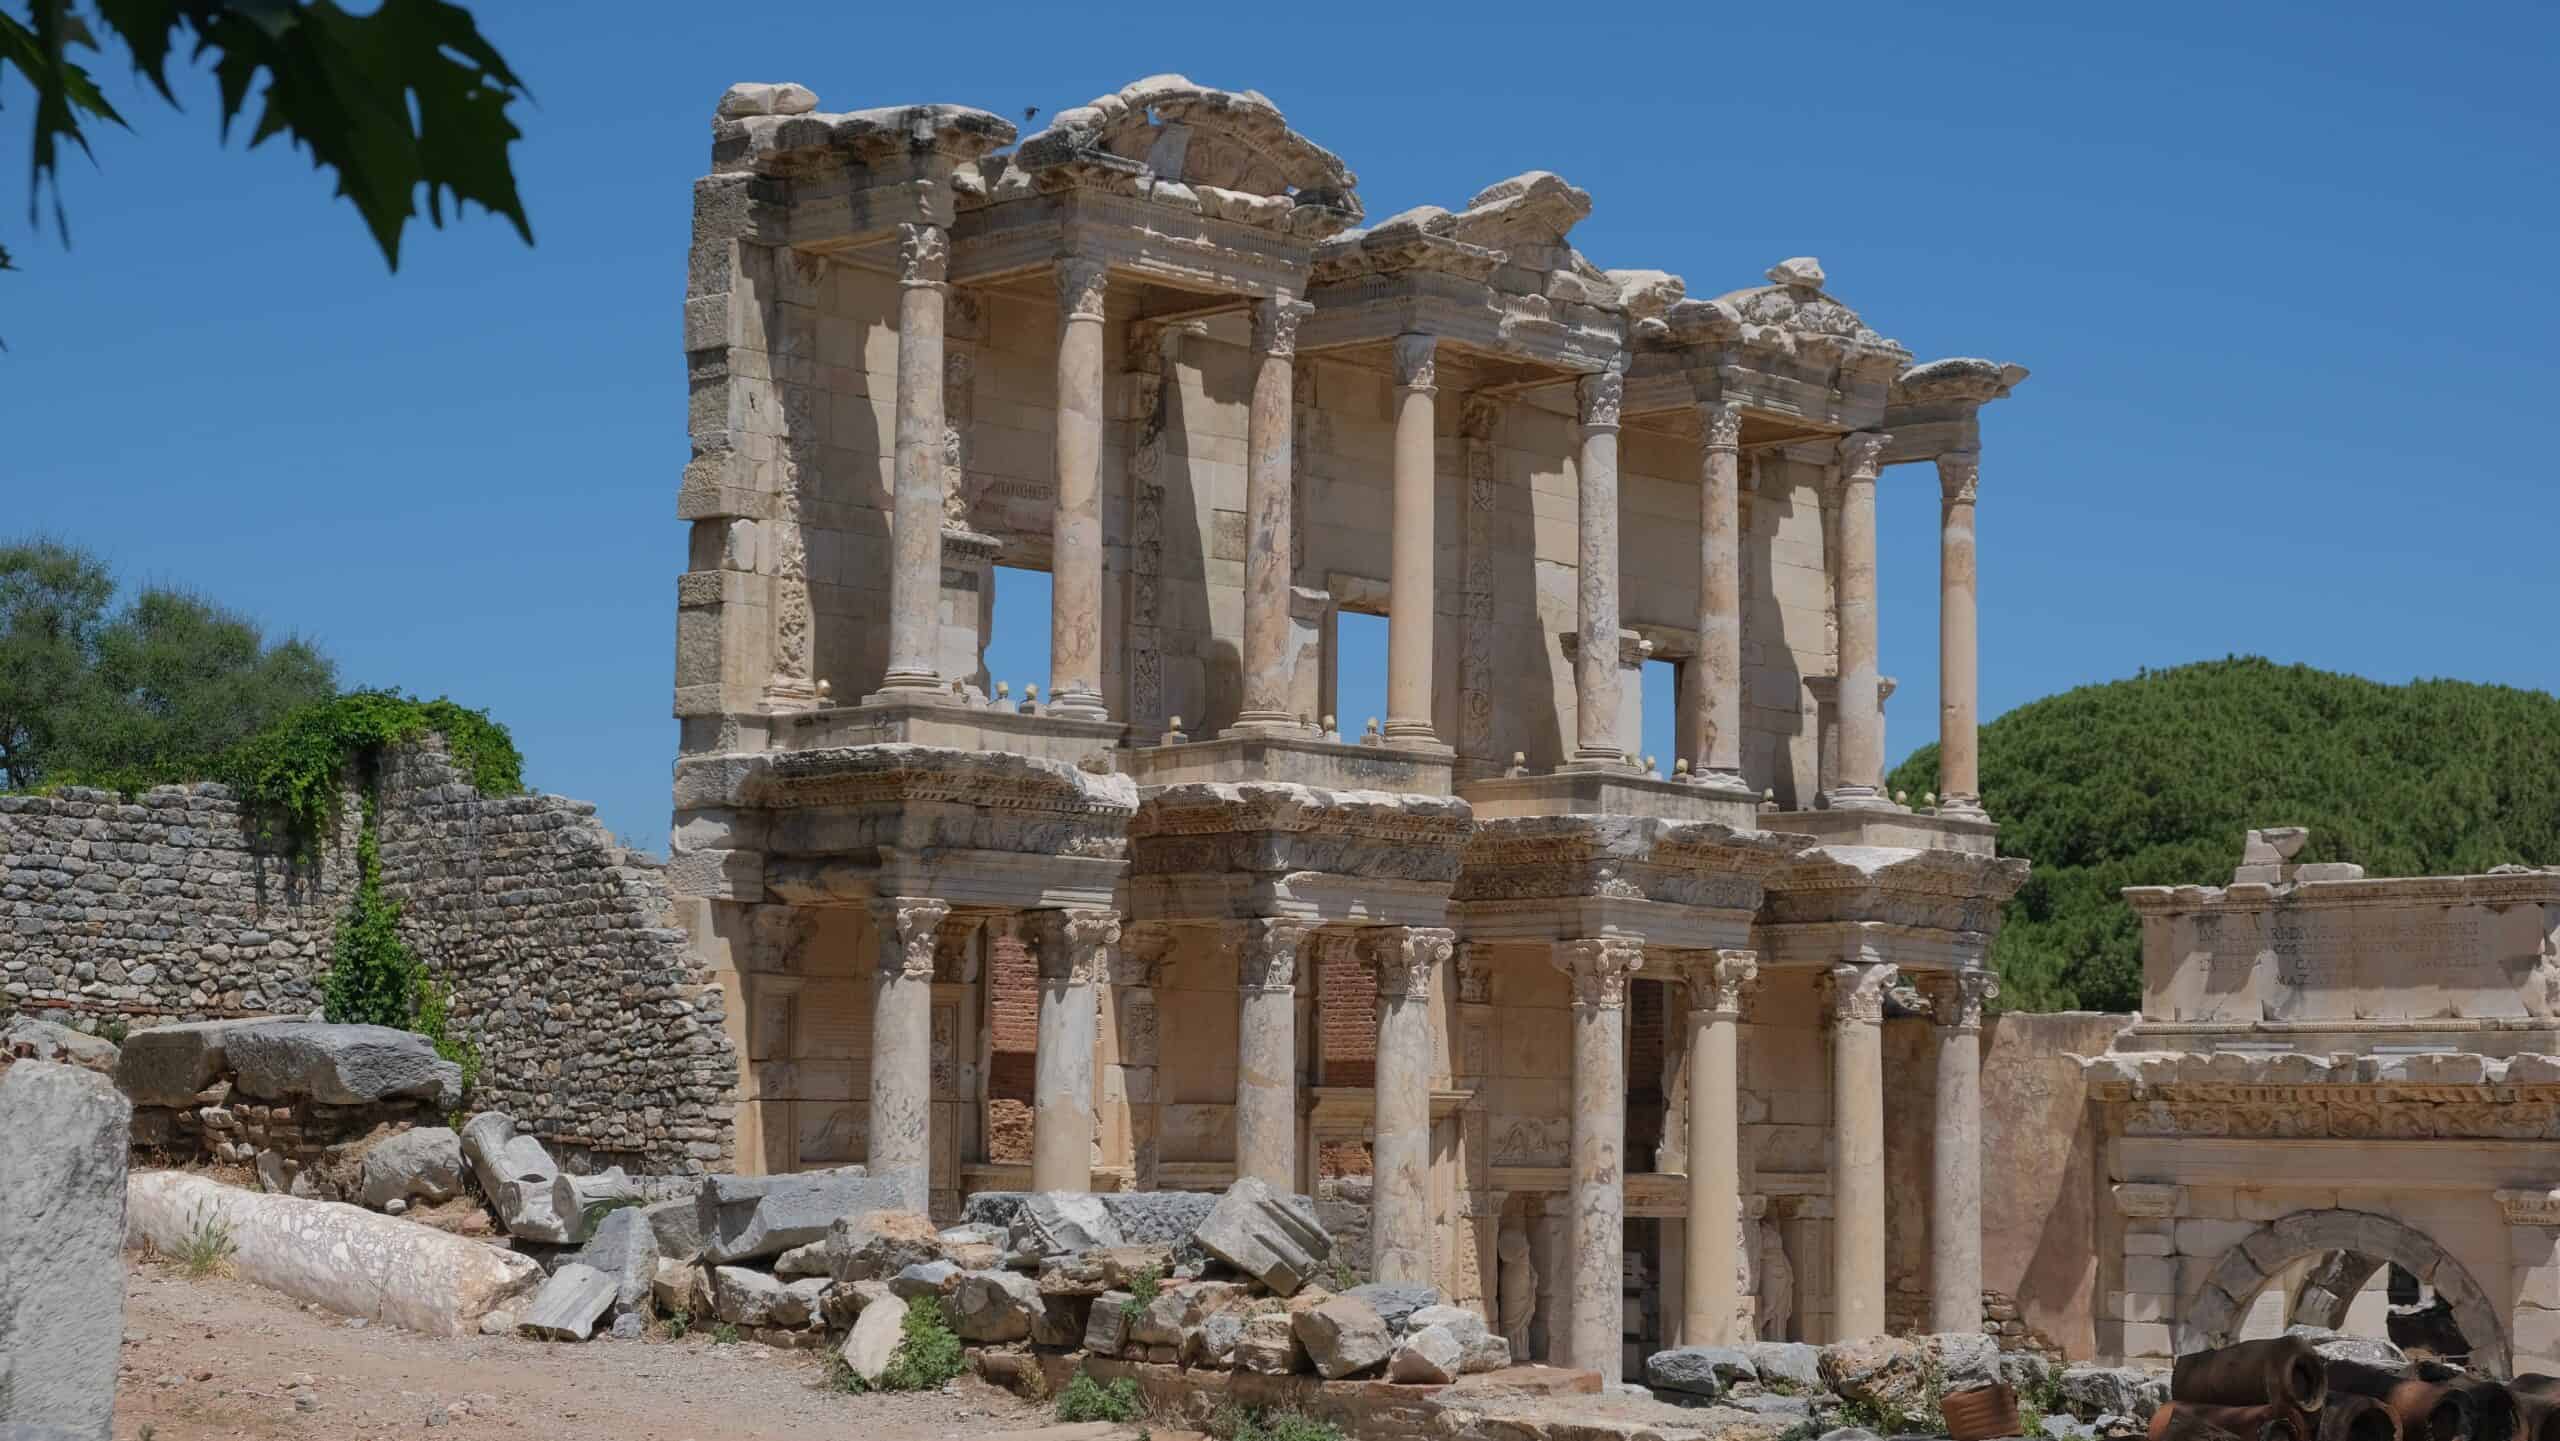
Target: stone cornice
[
  {"x": 1700, "y": 863},
  {"x": 2228, "y": 1076},
  {"x": 1276, "y": 828},
  {"x": 1932, "y": 889},
  {"x": 2517, "y": 886}
]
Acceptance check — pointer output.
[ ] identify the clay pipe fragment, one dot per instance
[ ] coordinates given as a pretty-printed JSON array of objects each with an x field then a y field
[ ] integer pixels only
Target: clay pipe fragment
[
  {"x": 2179, "y": 1419},
  {"x": 2495, "y": 1415},
  {"x": 2280, "y": 1371},
  {"x": 2426, "y": 1411},
  {"x": 2537, "y": 1401},
  {"x": 2349, "y": 1417}
]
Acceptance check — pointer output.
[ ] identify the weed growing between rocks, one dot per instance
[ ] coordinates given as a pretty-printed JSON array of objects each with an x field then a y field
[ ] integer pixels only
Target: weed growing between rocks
[
  {"x": 373, "y": 977},
  {"x": 1086, "y": 1399},
  {"x": 928, "y": 1356},
  {"x": 1232, "y": 1422},
  {"x": 724, "y": 1334},
  {"x": 207, "y": 1249},
  {"x": 1144, "y": 1286},
  {"x": 677, "y": 1324}
]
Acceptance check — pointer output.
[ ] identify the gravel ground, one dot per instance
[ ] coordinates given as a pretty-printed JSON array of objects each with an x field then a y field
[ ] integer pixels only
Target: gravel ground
[{"x": 221, "y": 1358}]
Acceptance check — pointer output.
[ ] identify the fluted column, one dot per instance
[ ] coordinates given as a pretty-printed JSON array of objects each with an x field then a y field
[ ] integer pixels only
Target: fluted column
[
  {"x": 1075, "y": 950},
  {"x": 1269, "y": 486},
  {"x": 1959, "y": 638},
  {"x": 1400, "y": 1228},
  {"x": 1595, "y": 669},
  {"x": 1718, "y": 982},
  {"x": 1718, "y": 692},
  {"x": 915, "y": 520},
  {"x": 1594, "y": 1321},
  {"x": 1410, "y": 583},
  {"x": 1267, "y": 1049},
  {"x": 902, "y": 1044},
  {"x": 1861, "y": 710},
  {"x": 1955, "y": 1192},
  {"x": 1075, "y": 544},
  {"x": 1857, "y": 1148}
]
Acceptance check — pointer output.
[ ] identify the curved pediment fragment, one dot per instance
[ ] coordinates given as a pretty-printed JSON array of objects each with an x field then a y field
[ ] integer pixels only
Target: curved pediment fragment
[{"x": 1228, "y": 153}]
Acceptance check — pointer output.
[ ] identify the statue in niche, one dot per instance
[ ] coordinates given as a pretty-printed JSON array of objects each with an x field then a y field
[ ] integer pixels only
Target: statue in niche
[
  {"x": 1777, "y": 1284},
  {"x": 1517, "y": 1282}
]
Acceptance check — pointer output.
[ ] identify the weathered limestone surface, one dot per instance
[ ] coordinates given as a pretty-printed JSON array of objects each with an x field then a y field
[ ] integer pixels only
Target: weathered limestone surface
[
  {"x": 341, "y": 1257},
  {"x": 62, "y": 1204},
  {"x": 340, "y": 1065},
  {"x": 745, "y": 1218}
]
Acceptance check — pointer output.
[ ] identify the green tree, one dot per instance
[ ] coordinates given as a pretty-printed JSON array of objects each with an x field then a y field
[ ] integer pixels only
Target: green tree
[
  {"x": 175, "y": 681},
  {"x": 53, "y": 597},
  {"x": 407, "y": 97},
  {"x": 2156, "y": 780}
]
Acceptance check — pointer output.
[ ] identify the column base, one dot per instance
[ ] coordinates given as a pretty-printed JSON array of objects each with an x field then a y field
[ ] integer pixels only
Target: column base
[
  {"x": 1963, "y": 808},
  {"x": 1728, "y": 782},
  {"x": 1585, "y": 757},
  {"x": 910, "y": 685},
  {"x": 1266, "y": 723},
  {"x": 1415, "y": 734},
  {"x": 1856, "y": 798},
  {"x": 1078, "y": 705},
  {"x": 788, "y": 693}
]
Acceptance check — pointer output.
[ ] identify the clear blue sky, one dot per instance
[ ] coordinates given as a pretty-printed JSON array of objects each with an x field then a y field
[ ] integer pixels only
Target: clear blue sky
[{"x": 2284, "y": 273}]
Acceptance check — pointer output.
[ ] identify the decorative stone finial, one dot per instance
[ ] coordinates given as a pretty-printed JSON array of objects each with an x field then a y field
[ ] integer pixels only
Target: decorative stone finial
[{"x": 1802, "y": 272}]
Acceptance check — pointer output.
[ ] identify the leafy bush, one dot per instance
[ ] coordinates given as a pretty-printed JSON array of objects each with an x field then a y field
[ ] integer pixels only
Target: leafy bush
[
  {"x": 928, "y": 1355},
  {"x": 724, "y": 1334},
  {"x": 677, "y": 1323},
  {"x": 1086, "y": 1399},
  {"x": 2155, "y": 780}
]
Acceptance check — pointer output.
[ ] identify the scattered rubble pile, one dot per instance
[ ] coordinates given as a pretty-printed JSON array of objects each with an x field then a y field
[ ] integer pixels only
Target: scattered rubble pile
[
  {"x": 2314, "y": 1385},
  {"x": 1905, "y": 1383}
]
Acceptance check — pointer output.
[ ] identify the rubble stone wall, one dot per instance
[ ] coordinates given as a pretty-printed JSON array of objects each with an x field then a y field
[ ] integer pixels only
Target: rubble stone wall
[{"x": 595, "y": 1026}]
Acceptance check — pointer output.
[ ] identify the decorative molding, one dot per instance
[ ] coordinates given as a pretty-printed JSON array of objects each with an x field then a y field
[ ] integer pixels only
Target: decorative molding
[
  {"x": 1074, "y": 946},
  {"x": 1143, "y": 950},
  {"x": 909, "y": 928},
  {"x": 1417, "y": 362},
  {"x": 2529, "y": 1208},
  {"x": 924, "y": 255},
  {"x": 1958, "y": 999},
  {"x": 1857, "y": 990},
  {"x": 1601, "y": 397},
  {"x": 959, "y": 498},
  {"x": 2146, "y": 1200},
  {"x": 1405, "y": 957},
  {"x": 1721, "y": 424},
  {"x": 1475, "y": 973},
  {"x": 1600, "y": 967},
  {"x": 1275, "y": 325},
  {"x": 1720, "y": 981},
  {"x": 1082, "y": 285},
  {"x": 1266, "y": 952},
  {"x": 1862, "y": 454},
  {"x": 1477, "y": 416},
  {"x": 1958, "y": 473}
]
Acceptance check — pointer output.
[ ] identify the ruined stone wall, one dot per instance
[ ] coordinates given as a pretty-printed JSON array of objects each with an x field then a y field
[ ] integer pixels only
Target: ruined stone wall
[
  {"x": 2042, "y": 1173},
  {"x": 595, "y": 1027}
]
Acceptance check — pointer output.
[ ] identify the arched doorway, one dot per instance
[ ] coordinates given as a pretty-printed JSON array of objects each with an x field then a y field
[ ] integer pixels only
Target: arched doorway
[{"x": 2212, "y": 1316}]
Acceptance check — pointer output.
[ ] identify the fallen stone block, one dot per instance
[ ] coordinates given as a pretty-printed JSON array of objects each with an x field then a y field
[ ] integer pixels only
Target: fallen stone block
[
  {"x": 1889, "y": 1373},
  {"x": 1427, "y": 1356},
  {"x": 874, "y": 1340},
  {"x": 992, "y": 1306},
  {"x": 1964, "y": 1359},
  {"x": 1796, "y": 1363},
  {"x": 524, "y": 1186},
  {"x": 568, "y": 1305},
  {"x": 1344, "y": 1336},
  {"x": 2092, "y": 1391},
  {"x": 1060, "y": 1320},
  {"x": 626, "y": 1249},
  {"x": 1090, "y": 1273},
  {"x": 1158, "y": 1218},
  {"x": 340, "y": 1257},
  {"x": 1479, "y": 1349},
  {"x": 1052, "y": 1222},
  {"x": 1395, "y": 1300},
  {"x": 681, "y": 1286},
  {"x": 678, "y": 1223},
  {"x": 170, "y": 1065},
  {"x": 933, "y": 1278},
  {"x": 746, "y": 1218},
  {"x": 1699, "y": 1370},
  {"x": 423, "y": 1163},
  {"x": 1273, "y": 1238},
  {"x": 340, "y": 1065},
  {"x": 875, "y": 1245},
  {"x": 1212, "y": 1343},
  {"x": 1268, "y": 1345},
  {"x": 799, "y": 1261},
  {"x": 745, "y": 1297},
  {"x": 1106, "y": 1326},
  {"x": 63, "y": 1130},
  {"x": 29, "y": 1039}
]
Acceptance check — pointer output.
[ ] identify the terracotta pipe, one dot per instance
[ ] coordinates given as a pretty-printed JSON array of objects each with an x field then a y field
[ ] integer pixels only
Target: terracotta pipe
[
  {"x": 2537, "y": 1410},
  {"x": 2349, "y": 1417},
  {"x": 2174, "y": 1422},
  {"x": 2282, "y": 1370},
  {"x": 2426, "y": 1411},
  {"x": 2178, "y": 1421},
  {"x": 2494, "y": 1412}
]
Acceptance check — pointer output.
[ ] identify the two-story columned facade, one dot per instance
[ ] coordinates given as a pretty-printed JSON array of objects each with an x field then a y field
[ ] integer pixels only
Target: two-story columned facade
[{"x": 1593, "y": 1034}]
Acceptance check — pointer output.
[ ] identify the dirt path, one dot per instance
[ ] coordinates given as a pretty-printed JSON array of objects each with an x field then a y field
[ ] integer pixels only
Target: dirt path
[{"x": 214, "y": 1358}]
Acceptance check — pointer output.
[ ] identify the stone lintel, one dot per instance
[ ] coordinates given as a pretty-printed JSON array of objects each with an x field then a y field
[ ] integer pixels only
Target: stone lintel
[
  {"x": 1144, "y": 241},
  {"x": 1402, "y": 769},
  {"x": 948, "y": 722},
  {"x": 1467, "y": 317},
  {"x": 1895, "y": 828}
]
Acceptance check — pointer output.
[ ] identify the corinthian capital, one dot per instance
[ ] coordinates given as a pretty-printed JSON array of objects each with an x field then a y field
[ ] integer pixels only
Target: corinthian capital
[
  {"x": 1958, "y": 470},
  {"x": 1417, "y": 362},
  {"x": 1958, "y": 1000},
  {"x": 1862, "y": 454},
  {"x": 1140, "y": 959},
  {"x": 1857, "y": 991},
  {"x": 924, "y": 255},
  {"x": 1720, "y": 981},
  {"x": 1075, "y": 946},
  {"x": 1405, "y": 957},
  {"x": 908, "y": 928},
  {"x": 1722, "y": 421},
  {"x": 1081, "y": 285},
  {"x": 1267, "y": 953},
  {"x": 1602, "y": 395},
  {"x": 1275, "y": 324},
  {"x": 1599, "y": 968}
]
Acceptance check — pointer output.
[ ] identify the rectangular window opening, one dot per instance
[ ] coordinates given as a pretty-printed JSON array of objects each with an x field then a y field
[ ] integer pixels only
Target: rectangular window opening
[
  {"x": 1015, "y": 627},
  {"x": 1358, "y": 656}
]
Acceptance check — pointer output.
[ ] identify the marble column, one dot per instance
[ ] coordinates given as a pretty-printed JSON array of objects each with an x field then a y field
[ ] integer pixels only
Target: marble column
[
  {"x": 1955, "y": 1190},
  {"x": 1075, "y": 949},
  {"x": 1411, "y": 587},
  {"x": 1270, "y": 483},
  {"x": 1594, "y": 1325},
  {"x": 1075, "y": 528},
  {"x": 1267, "y": 1049},
  {"x": 1857, "y": 1148},
  {"x": 1861, "y": 711},
  {"x": 1959, "y": 637},
  {"x": 902, "y": 1045},
  {"x": 1595, "y": 669},
  {"x": 1718, "y": 983},
  {"x": 1400, "y": 1233},
  {"x": 915, "y": 520},
  {"x": 1718, "y": 691}
]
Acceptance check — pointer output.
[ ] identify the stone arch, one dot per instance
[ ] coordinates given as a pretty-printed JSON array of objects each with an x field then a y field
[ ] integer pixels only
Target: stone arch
[
  {"x": 2213, "y": 1314},
  {"x": 2332, "y": 1286}
]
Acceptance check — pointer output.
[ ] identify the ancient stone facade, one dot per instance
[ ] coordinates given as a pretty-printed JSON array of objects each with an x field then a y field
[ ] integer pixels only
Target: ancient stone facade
[
  {"x": 1154, "y": 351},
  {"x": 596, "y": 1024},
  {"x": 2333, "y": 1074}
]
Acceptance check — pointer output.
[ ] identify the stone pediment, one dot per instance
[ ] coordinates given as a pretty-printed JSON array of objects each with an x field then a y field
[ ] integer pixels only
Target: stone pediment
[
  {"x": 1792, "y": 316},
  {"x": 1423, "y": 238},
  {"x": 1261, "y": 827},
  {"x": 1958, "y": 380},
  {"x": 1223, "y": 154},
  {"x": 777, "y": 144}
]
